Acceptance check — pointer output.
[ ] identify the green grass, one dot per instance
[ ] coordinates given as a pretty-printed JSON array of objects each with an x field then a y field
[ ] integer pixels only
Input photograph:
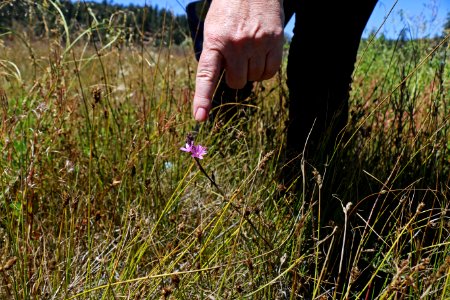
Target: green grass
[{"x": 97, "y": 201}]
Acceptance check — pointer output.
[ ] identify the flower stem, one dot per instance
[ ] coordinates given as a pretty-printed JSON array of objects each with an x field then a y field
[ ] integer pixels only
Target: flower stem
[{"x": 209, "y": 178}]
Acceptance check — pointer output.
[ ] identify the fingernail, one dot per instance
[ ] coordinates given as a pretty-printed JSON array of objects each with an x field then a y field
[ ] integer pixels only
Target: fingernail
[{"x": 200, "y": 114}]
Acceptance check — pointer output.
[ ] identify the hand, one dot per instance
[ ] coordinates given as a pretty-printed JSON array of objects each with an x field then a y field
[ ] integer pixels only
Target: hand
[{"x": 244, "y": 37}]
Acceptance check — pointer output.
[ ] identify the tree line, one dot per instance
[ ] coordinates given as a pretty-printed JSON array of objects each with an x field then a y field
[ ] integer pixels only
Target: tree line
[{"x": 104, "y": 20}]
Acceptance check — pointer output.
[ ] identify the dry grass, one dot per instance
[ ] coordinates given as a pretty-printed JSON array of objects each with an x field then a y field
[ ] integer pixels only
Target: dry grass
[{"x": 97, "y": 201}]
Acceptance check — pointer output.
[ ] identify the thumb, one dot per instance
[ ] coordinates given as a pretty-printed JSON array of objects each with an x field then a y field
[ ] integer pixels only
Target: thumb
[{"x": 208, "y": 72}]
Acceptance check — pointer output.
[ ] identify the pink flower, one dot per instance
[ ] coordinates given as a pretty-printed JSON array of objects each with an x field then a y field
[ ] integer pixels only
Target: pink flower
[
  {"x": 196, "y": 151},
  {"x": 188, "y": 148}
]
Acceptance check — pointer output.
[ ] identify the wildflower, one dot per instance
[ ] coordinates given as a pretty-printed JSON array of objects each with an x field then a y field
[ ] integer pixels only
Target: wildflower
[{"x": 197, "y": 151}]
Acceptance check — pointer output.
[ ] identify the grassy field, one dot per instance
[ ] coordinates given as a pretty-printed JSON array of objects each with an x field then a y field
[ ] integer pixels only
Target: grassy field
[{"x": 98, "y": 202}]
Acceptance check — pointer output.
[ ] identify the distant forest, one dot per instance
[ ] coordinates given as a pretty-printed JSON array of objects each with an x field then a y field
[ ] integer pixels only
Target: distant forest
[{"x": 105, "y": 20}]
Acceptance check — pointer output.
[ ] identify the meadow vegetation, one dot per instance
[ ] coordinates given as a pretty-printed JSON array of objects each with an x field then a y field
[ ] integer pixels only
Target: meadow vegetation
[{"x": 98, "y": 202}]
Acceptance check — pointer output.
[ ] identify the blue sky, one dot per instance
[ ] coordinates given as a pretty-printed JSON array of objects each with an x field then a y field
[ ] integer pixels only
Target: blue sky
[{"x": 421, "y": 17}]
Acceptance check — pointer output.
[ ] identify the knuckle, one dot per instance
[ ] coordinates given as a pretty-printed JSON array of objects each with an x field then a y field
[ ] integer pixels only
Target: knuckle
[
  {"x": 270, "y": 35},
  {"x": 208, "y": 67},
  {"x": 205, "y": 74},
  {"x": 215, "y": 39}
]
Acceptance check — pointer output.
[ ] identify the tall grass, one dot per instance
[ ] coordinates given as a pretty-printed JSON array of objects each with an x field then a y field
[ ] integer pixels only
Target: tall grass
[{"x": 97, "y": 201}]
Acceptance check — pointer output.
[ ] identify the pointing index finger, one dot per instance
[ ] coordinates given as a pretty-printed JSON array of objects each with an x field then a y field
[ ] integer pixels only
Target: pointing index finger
[{"x": 208, "y": 72}]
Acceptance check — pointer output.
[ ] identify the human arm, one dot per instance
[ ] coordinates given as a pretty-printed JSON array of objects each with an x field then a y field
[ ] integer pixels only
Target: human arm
[{"x": 244, "y": 37}]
